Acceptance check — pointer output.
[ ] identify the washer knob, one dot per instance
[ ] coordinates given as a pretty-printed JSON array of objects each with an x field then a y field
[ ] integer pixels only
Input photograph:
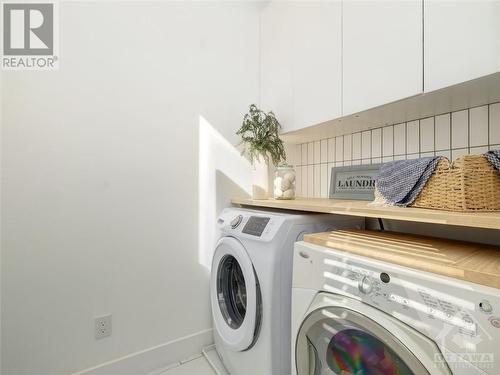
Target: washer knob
[
  {"x": 365, "y": 285},
  {"x": 485, "y": 307},
  {"x": 236, "y": 221}
]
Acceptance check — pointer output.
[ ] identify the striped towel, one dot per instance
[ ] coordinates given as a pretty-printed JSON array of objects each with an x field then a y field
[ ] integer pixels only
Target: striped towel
[
  {"x": 493, "y": 157},
  {"x": 399, "y": 182}
]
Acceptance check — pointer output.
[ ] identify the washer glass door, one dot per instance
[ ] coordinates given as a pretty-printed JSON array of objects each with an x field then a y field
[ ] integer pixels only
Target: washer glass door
[
  {"x": 335, "y": 340},
  {"x": 231, "y": 291},
  {"x": 235, "y": 295}
]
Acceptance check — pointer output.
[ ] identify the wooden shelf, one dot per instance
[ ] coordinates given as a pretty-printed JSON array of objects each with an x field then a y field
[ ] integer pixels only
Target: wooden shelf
[
  {"x": 468, "y": 261},
  {"x": 489, "y": 220}
]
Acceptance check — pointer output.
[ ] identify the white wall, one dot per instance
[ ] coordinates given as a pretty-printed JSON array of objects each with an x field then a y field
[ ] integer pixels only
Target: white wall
[
  {"x": 1, "y": 208},
  {"x": 100, "y": 178}
]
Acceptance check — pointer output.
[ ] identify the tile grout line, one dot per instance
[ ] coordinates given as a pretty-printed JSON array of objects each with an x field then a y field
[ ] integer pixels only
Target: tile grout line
[{"x": 488, "y": 128}]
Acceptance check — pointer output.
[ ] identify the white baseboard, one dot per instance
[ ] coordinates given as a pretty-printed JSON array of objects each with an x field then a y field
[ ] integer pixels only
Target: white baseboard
[
  {"x": 154, "y": 359},
  {"x": 214, "y": 360}
]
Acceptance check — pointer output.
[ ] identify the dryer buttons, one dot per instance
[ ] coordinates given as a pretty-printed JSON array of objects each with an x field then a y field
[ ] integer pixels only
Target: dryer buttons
[
  {"x": 495, "y": 321},
  {"x": 236, "y": 221}
]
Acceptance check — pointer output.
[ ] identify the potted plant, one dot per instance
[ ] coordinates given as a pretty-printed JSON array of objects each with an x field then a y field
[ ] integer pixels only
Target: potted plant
[{"x": 262, "y": 145}]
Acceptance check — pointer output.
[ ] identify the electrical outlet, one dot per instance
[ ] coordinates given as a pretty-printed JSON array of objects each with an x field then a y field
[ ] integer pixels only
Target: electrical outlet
[{"x": 102, "y": 326}]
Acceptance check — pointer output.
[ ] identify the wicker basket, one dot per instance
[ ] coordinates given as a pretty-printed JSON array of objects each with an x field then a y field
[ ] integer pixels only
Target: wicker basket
[{"x": 471, "y": 183}]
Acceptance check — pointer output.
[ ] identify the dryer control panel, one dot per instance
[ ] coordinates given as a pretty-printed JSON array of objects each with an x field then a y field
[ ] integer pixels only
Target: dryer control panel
[
  {"x": 252, "y": 225},
  {"x": 255, "y": 225}
]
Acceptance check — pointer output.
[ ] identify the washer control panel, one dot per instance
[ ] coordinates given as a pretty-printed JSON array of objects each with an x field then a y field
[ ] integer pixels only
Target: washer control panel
[
  {"x": 458, "y": 315},
  {"x": 365, "y": 285}
]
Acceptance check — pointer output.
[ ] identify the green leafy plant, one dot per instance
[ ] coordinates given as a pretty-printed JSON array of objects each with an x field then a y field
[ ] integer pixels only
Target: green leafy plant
[{"x": 260, "y": 136}]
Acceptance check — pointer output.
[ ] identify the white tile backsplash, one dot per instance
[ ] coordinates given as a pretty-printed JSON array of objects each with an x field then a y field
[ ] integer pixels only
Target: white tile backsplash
[
  {"x": 330, "y": 166},
  {"x": 298, "y": 183},
  {"x": 298, "y": 154},
  {"x": 426, "y": 154},
  {"x": 478, "y": 130},
  {"x": 376, "y": 143},
  {"x": 427, "y": 135},
  {"x": 324, "y": 150},
  {"x": 324, "y": 180},
  {"x": 310, "y": 180},
  {"x": 413, "y": 137},
  {"x": 317, "y": 152},
  {"x": 442, "y": 129},
  {"x": 356, "y": 146},
  {"x": 331, "y": 149},
  {"x": 474, "y": 130},
  {"x": 339, "y": 148},
  {"x": 479, "y": 150},
  {"x": 412, "y": 156},
  {"x": 366, "y": 140},
  {"x": 388, "y": 141},
  {"x": 445, "y": 153},
  {"x": 494, "y": 124},
  {"x": 400, "y": 139},
  {"x": 310, "y": 153},
  {"x": 460, "y": 129},
  {"x": 317, "y": 180},
  {"x": 303, "y": 160},
  {"x": 304, "y": 181},
  {"x": 458, "y": 152},
  {"x": 348, "y": 147}
]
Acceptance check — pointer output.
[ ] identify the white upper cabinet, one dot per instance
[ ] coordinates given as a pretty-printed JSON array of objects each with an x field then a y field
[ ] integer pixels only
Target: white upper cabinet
[
  {"x": 301, "y": 64},
  {"x": 462, "y": 41},
  {"x": 382, "y": 52}
]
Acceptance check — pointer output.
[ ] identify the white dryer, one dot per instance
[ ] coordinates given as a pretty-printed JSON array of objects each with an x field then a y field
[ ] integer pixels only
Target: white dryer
[
  {"x": 356, "y": 315},
  {"x": 251, "y": 285}
]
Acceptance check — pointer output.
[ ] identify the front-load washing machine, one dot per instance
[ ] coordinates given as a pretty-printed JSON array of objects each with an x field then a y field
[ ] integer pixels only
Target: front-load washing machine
[
  {"x": 251, "y": 284},
  {"x": 356, "y": 315}
]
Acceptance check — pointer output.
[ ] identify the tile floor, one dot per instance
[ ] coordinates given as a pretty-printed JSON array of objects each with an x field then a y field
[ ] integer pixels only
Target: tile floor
[{"x": 198, "y": 366}]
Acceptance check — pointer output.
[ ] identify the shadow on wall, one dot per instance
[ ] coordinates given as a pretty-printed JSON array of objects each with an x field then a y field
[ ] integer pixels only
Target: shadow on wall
[{"x": 223, "y": 173}]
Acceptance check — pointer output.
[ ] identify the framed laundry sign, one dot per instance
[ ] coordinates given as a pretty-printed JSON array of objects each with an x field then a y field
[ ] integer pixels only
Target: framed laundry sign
[{"x": 354, "y": 182}]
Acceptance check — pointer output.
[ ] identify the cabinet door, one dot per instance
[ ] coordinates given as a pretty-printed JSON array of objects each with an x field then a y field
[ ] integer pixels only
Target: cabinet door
[
  {"x": 276, "y": 68},
  {"x": 382, "y": 52},
  {"x": 301, "y": 66},
  {"x": 462, "y": 41}
]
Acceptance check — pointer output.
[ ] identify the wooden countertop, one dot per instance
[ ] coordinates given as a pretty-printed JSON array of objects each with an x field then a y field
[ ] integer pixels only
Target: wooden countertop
[
  {"x": 472, "y": 262},
  {"x": 490, "y": 220}
]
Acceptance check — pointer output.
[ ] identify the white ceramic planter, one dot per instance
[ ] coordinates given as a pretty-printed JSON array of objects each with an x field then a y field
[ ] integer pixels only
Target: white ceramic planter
[{"x": 260, "y": 188}]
